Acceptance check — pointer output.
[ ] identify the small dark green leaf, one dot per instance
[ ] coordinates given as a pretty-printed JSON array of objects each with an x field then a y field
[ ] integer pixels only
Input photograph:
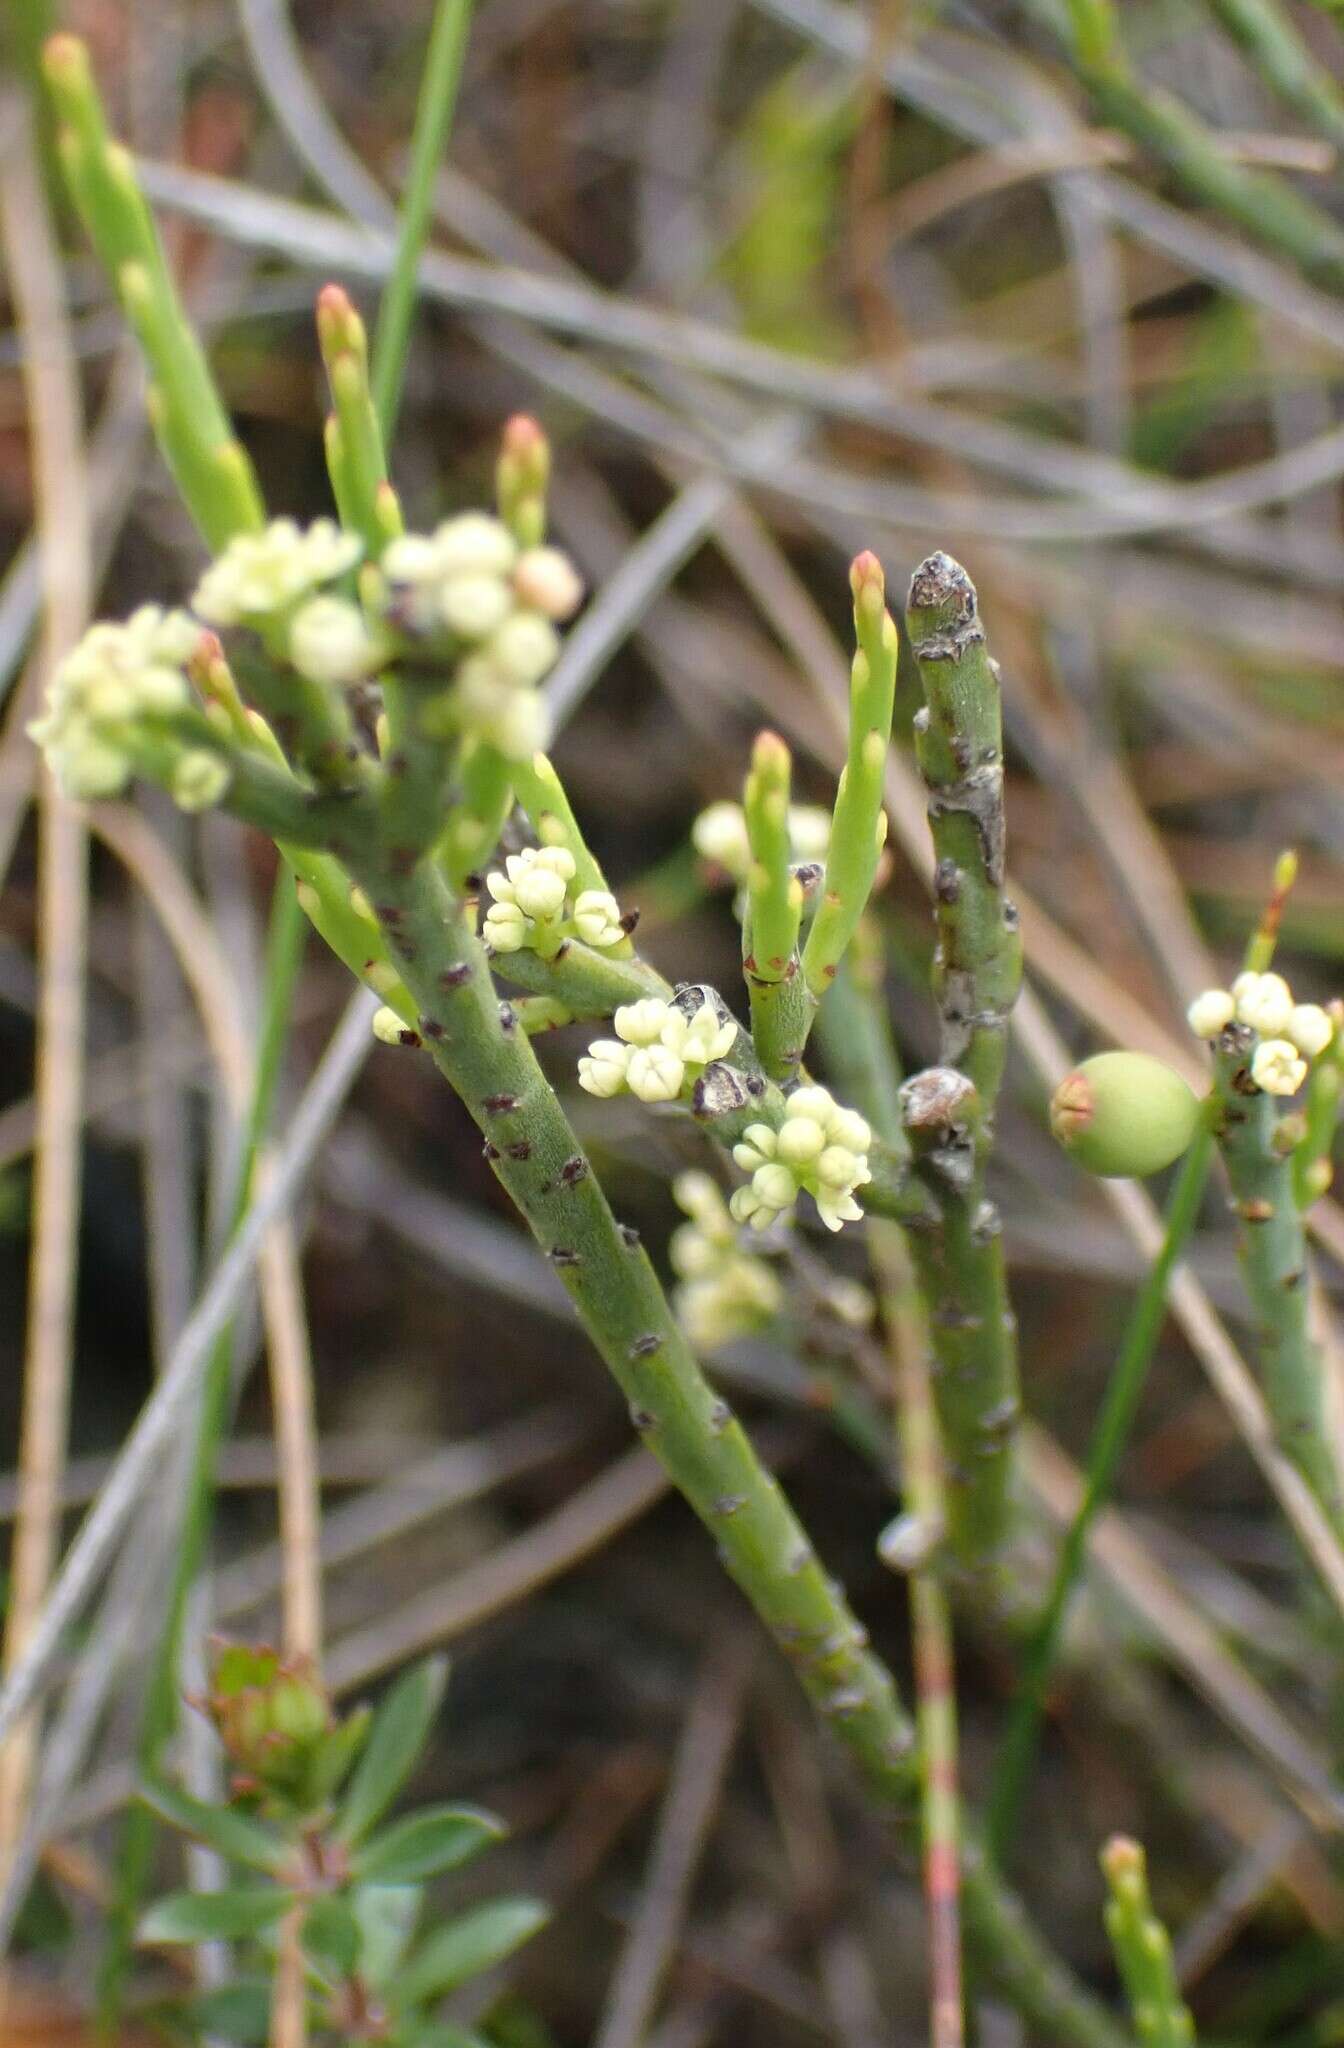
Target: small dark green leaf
[
  {"x": 235, "y": 2012},
  {"x": 440, "y": 1838},
  {"x": 212, "y": 1916},
  {"x": 394, "y": 1742},
  {"x": 332, "y": 1936},
  {"x": 333, "y": 1755},
  {"x": 387, "y": 1915},
  {"x": 235, "y": 1835},
  {"x": 474, "y": 1942}
]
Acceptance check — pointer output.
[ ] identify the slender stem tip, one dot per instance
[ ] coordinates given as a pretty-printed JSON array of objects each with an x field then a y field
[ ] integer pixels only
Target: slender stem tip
[
  {"x": 65, "y": 60},
  {"x": 867, "y": 581}
]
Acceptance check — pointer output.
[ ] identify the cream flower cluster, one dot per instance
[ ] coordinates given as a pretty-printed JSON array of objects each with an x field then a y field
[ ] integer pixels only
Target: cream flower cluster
[
  {"x": 116, "y": 675},
  {"x": 656, "y": 1047},
  {"x": 1291, "y": 1034},
  {"x": 531, "y": 906},
  {"x": 275, "y": 579},
  {"x": 722, "y": 1292},
  {"x": 719, "y": 835},
  {"x": 500, "y": 605},
  {"x": 819, "y": 1146}
]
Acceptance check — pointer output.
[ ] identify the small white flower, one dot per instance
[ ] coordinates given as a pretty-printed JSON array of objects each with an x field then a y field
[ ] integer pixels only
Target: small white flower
[
  {"x": 597, "y": 918},
  {"x": 117, "y": 673},
  {"x": 1210, "y": 1013},
  {"x": 1265, "y": 1002},
  {"x": 801, "y": 1141},
  {"x": 746, "y": 1206},
  {"x": 719, "y": 835},
  {"x": 838, "y": 1167},
  {"x": 519, "y": 725},
  {"x": 848, "y": 1128},
  {"x": 260, "y": 574},
  {"x": 655, "y": 1074},
  {"x": 329, "y": 642},
  {"x": 641, "y": 1023},
  {"x": 200, "y": 779},
  {"x": 602, "y": 1068},
  {"x": 757, "y": 1144},
  {"x": 523, "y": 649},
  {"x": 474, "y": 544},
  {"x": 547, "y": 582},
  {"x": 411, "y": 558},
  {"x": 539, "y": 879},
  {"x": 836, "y": 1206},
  {"x": 774, "y": 1186},
  {"x": 1278, "y": 1067},
  {"x": 505, "y": 928},
  {"x": 698, "y": 1196},
  {"x": 474, "y": 606},
  {"x": 818, "y": 1104},
  {"x": 1310, "y": 1028},
  {"x": 692, "y": 1254},
  {"x": 703, "y": 1038}
]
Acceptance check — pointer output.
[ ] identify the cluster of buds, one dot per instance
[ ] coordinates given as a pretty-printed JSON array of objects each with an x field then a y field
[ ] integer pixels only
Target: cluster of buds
[
  {"x": 272, "y": 1718},
  {"x": 274, "y": 582},
  {"x": 492, "y": 607},
  {"x": 657, "y": 1049},
  {"x": 532, "y": 907},
  {"x": 722, "y": 1292},
  {"x": 118, "y": 679},
  {"x": 719, "y": 836},
  {"x": 1291, "y": 1034},
  {"x": 819, "y": 1147}
]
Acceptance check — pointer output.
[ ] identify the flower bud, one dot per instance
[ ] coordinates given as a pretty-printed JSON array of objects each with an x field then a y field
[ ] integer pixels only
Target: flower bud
[
  {"x": 641, "y": 1023},
  {"x": 597, "y": 918},
  {"x": 719, "y": 835},
  {"x": 505, "y": 928},
  {"x": 200, "y": 779},
  {"x": 1277, "y": 1067},
  {"x": 602, "y": 1069},
  {"x": 1264, "y": 1001},
  {"x": 1124, "y": 1115},
  {"x": 775, "y": 1186},
  {"x": 1310, "y": 1028},
  {"x": 540, "y": 892},
  {"x": 474, "y": 606},
  {"x": 330, "y": 643},
  {"x": 655, "y": 1073},
  {"x": 1210, "y": 1013},
  {"x": 523, "y": 649},
  {"x": 547, "y": 582},
  {"x": 801, "y": 1141},
  {"x": 474, "y": 544}
]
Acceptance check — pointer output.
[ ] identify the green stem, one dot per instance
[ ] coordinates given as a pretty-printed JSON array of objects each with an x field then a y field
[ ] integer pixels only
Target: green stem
[
  {"x": 1124, "y": 1390},
  {"x": 977, "y": 974},
  {"x": 780, "y": 1009},
  {"x": 1285, "y": 62},
  {"x": 433, "y": 123},
  {"x": 536, "y": 1156},
  {"x": 1266, "y": 206},
  {"x": 1275, "y": 1268},
  {"x": 1143, "y": 1950}
]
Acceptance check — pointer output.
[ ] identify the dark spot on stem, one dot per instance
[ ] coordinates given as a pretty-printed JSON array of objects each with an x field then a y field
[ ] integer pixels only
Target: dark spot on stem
[
  {"x": 430, "y": 1027},
  {"x": 644, "y": 1347},
  {"x": 520, "y": 1149},
  {"x": 561, "y": 1255},
  {"x": 629, "y": 1236},
  {"x": 499, "y": 1105},
  {"x": 574, "y": 1170},
  {"x": 456, "y": 977}
]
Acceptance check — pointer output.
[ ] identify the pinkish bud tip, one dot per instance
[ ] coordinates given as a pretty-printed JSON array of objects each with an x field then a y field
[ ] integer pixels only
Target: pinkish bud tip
[
  {"x": 867, "y": 580},
  {"x": 522, "y": 435},
  {"x": 64, "y": 55}
]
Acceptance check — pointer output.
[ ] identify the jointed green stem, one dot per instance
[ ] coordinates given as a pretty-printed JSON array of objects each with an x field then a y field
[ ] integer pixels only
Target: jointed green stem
[
  {"x": 779, "y": 996},
  {"x": 193, "y": 429},
  {"x": 859, "y": 824},
  {"x": 1266, "y": 206},
  {"x": 1143, "y": 1950},
  {"x": 1275, "y": 1268},
  {"x": 977, "y": 973},
  {"x": 1285, "y": 62}
]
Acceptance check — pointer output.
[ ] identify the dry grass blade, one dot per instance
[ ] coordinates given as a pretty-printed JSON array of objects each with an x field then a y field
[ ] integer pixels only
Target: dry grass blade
[{"x": 62, "y": 521}]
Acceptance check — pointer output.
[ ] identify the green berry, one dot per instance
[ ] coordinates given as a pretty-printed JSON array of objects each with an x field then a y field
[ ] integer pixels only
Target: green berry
[{"x": 1124, "y": 1115}]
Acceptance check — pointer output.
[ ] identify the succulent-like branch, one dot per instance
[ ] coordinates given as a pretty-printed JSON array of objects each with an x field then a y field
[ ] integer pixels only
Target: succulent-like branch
[
  {"x": 1285, "y": 62},
  {"x": 859, "y": 823},
  {"x": 208, "y": 463},
  {"x": 1143, "y": 1949},
  {"x": 779, "y": 996},
  {"x": 977, "y": 973},
  {"x": 1275, "y": 1264}
]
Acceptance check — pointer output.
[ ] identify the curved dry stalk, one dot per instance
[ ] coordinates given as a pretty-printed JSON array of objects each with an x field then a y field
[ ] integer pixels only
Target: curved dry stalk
[
  {"x": 140, "y": 849},
  {"x": 63, "y": 531}
]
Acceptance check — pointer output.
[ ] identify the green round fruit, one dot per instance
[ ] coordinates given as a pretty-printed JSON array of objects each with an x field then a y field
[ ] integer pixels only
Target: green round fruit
[{"x": 1124, "y": 1115}]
